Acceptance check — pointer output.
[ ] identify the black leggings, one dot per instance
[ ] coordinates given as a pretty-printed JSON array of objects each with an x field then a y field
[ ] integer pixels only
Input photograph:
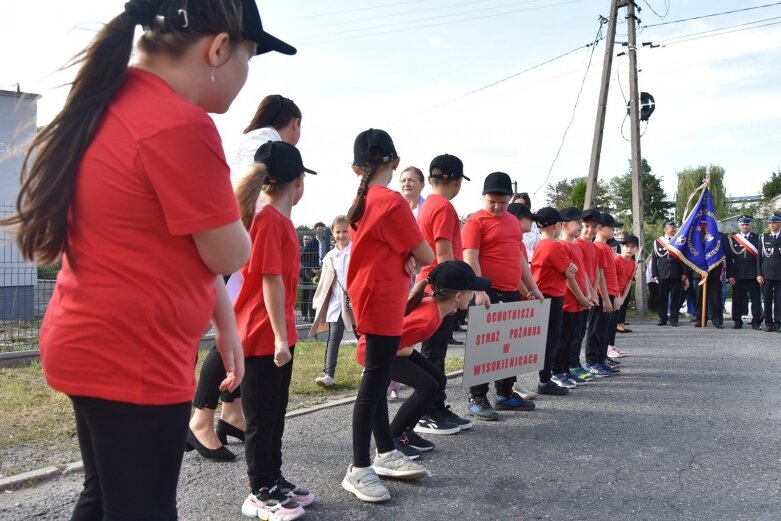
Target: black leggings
[
  {"x": 554, "y": 353},
  {"x": 428, "y": 382},
  {"x": 212, "y": 374},
  {"x": 266, "y": 390},
  {"x": 370, "y": 412},
  {"x": 435, "y": 350},
  {"x": 132, "y": 455}
]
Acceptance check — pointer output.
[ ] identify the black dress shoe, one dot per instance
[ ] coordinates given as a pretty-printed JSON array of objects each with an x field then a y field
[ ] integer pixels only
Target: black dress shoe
[
  {"x": 718, "y": 326},
  {"x": 625, "y": 330},
  {"x": 756, "y": 327},
  {"x": 674, "y": 323},
  {"x": 454, "y": 342},
  {"x": 220, "y": 454},
  {"x": 225, "y": 429},
  {"x": 661, "y": 323},
  {"x": 768, "y": 328},
  {"x": 697, "y": 324},
  {"x": 737, "y": 325}
]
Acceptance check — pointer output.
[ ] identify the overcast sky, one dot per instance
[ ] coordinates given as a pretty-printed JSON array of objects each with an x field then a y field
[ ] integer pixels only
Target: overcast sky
[{"x": 409, "y": 67}]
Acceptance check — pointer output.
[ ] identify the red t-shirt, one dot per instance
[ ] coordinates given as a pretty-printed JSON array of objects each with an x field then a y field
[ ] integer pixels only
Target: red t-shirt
[
  {"x": 376, "y": 280},
  {"x": 275, "y": 251},
  {"x": 589, "y": 253},
  {"x": 438, "y": 220},
  {"x": 571, "y": 304},
  {"x": 125, "y": 325},
  {"x": 625, "y": 271},
  {"x": 605, "y": 261},
  {"x": 551, "y": 259},
  {"x": 419, "y": 325},
  {"x": 498, "y": 240}
]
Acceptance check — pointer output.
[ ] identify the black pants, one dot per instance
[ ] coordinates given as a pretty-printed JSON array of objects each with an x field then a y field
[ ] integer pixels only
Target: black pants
[
  {"x": 579, "y": 333},
  {"x": 772, "y": 294},
  {"x": 713, "y": 302},
  {"x": 132, "y": 455},
  {"x": 370, "y": 412},
  {"x": 428, "y": 382},
  {"x": 621, "y": 315},
  {"x": 504, "y": 387},
  {"x": 435, "y": 349},
  {"x": 307, "y": 295},
  {"x": 554, "y": 354},
  {"x": 597, "y": 334},
  {"x": 611, "y": 329},
  {"x": 669, "y": 291},
  {"x": 653, "y": 296},
  {"x": 265, "y": 391},
  {"x": 569, "y": 329},
  {"x": 212, "y": 374},
  {"x": 746, "y": 288}
]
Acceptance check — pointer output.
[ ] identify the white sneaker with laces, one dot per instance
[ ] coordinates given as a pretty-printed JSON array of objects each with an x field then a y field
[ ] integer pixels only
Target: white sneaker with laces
[
  {"x": 325, "y": 381},
  {"x": 394, "y": 464},
  {"x": 365, "y": 485},
  {"x": 526, "y": 394}
]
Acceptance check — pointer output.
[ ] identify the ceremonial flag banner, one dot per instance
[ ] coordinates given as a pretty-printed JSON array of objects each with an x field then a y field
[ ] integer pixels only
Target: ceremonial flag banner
[
  {"x": 505, "y": 340},
  {"x": 698, "y": 241}
]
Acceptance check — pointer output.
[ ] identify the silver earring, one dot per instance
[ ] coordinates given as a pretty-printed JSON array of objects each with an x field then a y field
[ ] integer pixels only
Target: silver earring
[{"x": 212, "y": 76}]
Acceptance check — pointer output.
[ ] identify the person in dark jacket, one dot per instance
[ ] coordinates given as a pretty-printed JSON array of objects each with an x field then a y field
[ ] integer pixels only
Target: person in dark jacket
[
  {"x": 769, "y": 272},
  {"x": 668, "y": 271},
  {"x": 742, "y": 250}
]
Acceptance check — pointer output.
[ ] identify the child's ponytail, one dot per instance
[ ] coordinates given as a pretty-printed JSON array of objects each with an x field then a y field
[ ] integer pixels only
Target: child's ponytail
[
  {"x": 415, "y": 296},
  {"x": 359, "y": 206},
  {"x": 247, "y": 192}
]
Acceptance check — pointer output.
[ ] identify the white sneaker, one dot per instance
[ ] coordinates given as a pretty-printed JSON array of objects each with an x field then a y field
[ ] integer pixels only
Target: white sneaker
[
  {"x": 394, "y": 391},
  {"x": 365, "y": 485},
  {"x": 325, "y": 381},
  {"x": 562, "y": 381},
  {"x": 394, "y": 464},
  {"x": 612, "y": 352},
  {"x": 526, "y": 394}
]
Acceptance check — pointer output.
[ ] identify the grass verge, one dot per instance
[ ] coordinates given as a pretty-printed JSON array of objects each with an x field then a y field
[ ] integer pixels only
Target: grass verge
[{"x": 39, "y": 419}]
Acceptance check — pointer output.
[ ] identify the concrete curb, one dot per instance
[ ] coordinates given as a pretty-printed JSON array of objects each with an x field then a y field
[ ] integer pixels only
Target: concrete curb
[{"x": 34, "y": 477}]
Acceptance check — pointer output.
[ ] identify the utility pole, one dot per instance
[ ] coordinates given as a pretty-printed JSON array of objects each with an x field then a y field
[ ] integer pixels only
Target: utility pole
[
  {"x": 596, "y": 146},
  {"x": 641, "y": 293}
]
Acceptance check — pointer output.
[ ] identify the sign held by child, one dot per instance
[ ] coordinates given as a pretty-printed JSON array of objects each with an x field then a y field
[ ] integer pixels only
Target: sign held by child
[{"x": 505, "y": 340}]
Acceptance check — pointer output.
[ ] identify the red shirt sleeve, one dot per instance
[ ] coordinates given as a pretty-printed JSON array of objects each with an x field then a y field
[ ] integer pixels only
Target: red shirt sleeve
[
  {"x": 471, "y": 234},
  {"x": 560, "y": 257},
  {"x": 187, "y": 170},
  {"x": 445, "y": 223}
]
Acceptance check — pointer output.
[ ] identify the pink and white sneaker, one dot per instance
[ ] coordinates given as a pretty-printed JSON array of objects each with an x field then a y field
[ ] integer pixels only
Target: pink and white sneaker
[
  {"x": 271, "y": 505},
  {"x": 613, "y": 352}
]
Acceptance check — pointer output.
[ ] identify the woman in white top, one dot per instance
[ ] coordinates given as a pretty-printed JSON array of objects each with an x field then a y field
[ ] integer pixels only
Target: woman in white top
[
  {"x": 412, "y": 183},
  {"x": 334, "y": 311}
]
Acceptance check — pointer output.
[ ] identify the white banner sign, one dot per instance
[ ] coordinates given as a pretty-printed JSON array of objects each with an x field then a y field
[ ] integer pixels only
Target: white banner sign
[{"x": 506, "y": 340}]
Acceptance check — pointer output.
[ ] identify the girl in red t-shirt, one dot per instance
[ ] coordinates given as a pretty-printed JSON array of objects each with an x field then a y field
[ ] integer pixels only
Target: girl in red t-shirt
[
  {"x": 265, "y": 313},
  {"x": 387, "y": 248},
  {"x": 128, "y": 185},
  {"x": 453, "y": 283}
]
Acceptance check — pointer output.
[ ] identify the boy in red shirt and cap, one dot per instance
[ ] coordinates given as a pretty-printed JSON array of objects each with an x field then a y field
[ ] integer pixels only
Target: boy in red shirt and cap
[{"x": 625, "y": 272}]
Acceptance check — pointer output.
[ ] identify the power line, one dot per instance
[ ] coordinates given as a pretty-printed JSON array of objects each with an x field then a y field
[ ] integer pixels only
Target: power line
[
  {"x": 395, "y": 16},
  {"x": 722, "y": 33},
  {"x": 666, "y": 7},
  {"x": 329, "y": 13},
  {"x": 687, "y": 36},
  {"x": 378, "y": 33},
  {"x": 574, "y": 109},
  {"x": 712, "y": 15}
]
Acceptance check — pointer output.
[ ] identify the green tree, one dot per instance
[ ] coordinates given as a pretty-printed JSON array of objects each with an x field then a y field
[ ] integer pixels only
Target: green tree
[
  {"x": 572, "y": 192},
  {"x": 560, "y": 194},
  {"x": 656, "y": 205},
  {"x": 688, "y": 181},
  {"x": 772, "y": 187}
]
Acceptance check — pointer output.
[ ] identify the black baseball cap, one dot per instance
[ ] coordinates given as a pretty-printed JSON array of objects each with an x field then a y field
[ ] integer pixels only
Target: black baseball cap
[
  {"x": 592, "y": 215},
  {"x": 283, "y": 161},
  {"x": 451, "y": 167},
  {"x": 253, "y": 30},
  {"x": 373, "y": 141},
  {"x": 457, "y": 275},
  {"x": 498, "y": 183},
  {"x": 521, "y": 210},
  {"x": 608, "y": 220},
  {"x": 548, "y": 216},
  {"x": 630, "y": 239},
  {"x": 571, "y": 214}
]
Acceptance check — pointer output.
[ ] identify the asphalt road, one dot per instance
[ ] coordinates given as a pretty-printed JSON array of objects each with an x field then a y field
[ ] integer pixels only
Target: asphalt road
[{"x": 690, "y": 430}]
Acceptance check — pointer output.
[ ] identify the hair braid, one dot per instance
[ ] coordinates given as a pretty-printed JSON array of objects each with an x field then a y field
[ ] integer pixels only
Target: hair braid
[{"x": 359, "y": 205}]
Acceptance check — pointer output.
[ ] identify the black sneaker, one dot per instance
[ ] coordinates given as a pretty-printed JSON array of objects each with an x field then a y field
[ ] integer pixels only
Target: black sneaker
[
  {"x": 480, "y": 408},
  {"x": 433, "y": 424},
  {"x": 513, "y": 403},
  {"x": 552, "y": 389},
  {"x": 404, "y": 446},
  {"x": 449, "y": 415},
  {"x": 417, "y": 442}
]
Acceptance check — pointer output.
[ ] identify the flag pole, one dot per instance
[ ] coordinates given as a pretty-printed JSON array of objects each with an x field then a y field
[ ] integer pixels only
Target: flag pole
[{"x": 704, "y": 295}]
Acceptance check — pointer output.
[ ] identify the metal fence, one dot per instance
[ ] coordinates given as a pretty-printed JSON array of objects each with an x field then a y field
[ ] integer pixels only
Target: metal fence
[{"x": 26, "y": 290}]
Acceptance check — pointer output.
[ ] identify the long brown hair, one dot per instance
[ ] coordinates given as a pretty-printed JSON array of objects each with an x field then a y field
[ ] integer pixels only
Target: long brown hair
[
  {"x": 274, "y": 111},
  {"x": 376, "y": 159},
  {"x": 418, "y": 291},
  {"x": 49, "y": 169},
  {"x": 248, "y": 190}
]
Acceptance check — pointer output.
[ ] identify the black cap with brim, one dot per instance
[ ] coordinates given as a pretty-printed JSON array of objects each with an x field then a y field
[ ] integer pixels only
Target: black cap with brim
[
  {"x": 253, "y": 30},
  {"x": 521, "y": 210},
  {"x": 450, "y": 167},
  {"x": 608, "y": 220},
  {"x": 498, "y": 183},
  {"x": 373, "y": 141},
  {"x": 746, "y": 219},
  {"x": 455, "y": 275},
  {"x": 571, "y": 214},
  {"x": 671, "y": 223},
  {"x": 547, "y": 216},
  {"x": 282, "y": 160},
  {"x": 630, "y": 239},
  {"x": 592, "y": 215},
  {"x": 774, "y": 218}
]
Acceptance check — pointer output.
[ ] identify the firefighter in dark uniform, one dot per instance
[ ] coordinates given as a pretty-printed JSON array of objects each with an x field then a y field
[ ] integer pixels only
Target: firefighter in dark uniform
[
  {"x": 742, "y": 250},
  {"x": 668, "y": 271},
  {"x": 769, "y": 272}
]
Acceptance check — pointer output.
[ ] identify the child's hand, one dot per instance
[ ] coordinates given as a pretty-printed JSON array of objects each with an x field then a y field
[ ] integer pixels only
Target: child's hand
[
  {"x": 411, "y": 267},
  {"x": 281, "y": 353},
  {"x": 232, "y": 355},
  {"x": 481, "y": 299},
  {"x": 585, "y": 303},
  {"x": 572, "y": 268},
  {"x": 405, "y": 351},
  {"x": 607, "y": 305},
  {"x": 537, "y": 294}
]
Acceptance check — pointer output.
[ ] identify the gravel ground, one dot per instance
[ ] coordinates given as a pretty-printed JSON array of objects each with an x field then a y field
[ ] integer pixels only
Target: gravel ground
[{"x": 689, "y": 431}]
